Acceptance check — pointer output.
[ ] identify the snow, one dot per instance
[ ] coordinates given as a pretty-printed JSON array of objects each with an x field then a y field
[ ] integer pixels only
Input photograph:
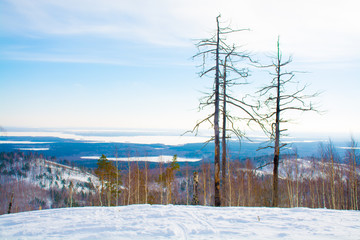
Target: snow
[
  {"x": 48, "y": 174},
  {"x": 139, "y": 139},
  {"x": 33, "y": 149},
  {"x": 298, "y": 169},
  {"x": 181, "y": 222},
  {"x": 161, "y": 158},
  {"x": 22, "y": 142},
  {"x": 350, "y": 148}
]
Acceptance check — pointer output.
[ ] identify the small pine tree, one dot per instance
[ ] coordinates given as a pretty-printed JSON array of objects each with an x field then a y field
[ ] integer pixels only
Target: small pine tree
[
  {"x": 107, "y": 173},
  {"x": 167, "y": 178}
]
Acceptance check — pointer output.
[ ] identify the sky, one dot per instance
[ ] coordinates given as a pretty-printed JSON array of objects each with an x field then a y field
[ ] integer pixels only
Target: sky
[{"x": 128, "y": 64}]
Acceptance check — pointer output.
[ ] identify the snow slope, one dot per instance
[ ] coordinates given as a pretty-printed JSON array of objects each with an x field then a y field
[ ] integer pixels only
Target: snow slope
[{"x": 181, "y": 222}]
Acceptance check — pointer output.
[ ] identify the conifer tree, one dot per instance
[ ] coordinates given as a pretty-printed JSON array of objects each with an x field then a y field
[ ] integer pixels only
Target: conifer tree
[
  {"x": 109, "y": 178},
  {"x": 167, "y": 178}
]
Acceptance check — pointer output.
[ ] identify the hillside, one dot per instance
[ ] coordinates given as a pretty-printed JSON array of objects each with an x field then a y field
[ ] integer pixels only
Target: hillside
[
  {"x": 30, "y": 182},
  {"x": 181, "y": 222},
  {"x": 35, "y": 182}
]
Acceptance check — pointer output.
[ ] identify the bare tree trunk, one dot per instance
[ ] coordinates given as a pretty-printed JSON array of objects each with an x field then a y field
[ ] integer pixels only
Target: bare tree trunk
[
  {"x": 240, "y": 186},
  {"x": 11, "y": 202},
  {"x": 71, "y": 193},
  {"x": 297, "y": 182},
  {"x": 275, "y": 196},
  {"x": 161, "y": 188},
  {"x": 101, "y": 192},
  {"x": 169, "y": 190},
  {"x": 323, "y": 180},
  {"x": 129, "y": 182},
  {"x": 249, "y": 174},
  {"x": 312, "y": 193},
  {"x": 224, "y": 185},
  {"x": 138, "y": 183},
  {"x": 217, "y": 199},
  {"x": 146, "y": 183},
  {"x": 210, "y": 193},
  {"x": 289, "y": 182},
  {"x": 353, "y": 175},
  {"x": 195, "y": 200},
  {"x": 109, "y": 196},
  {"x": 187, "y": 184},
  {"x": 229, "y": 184},
  {"x": 355, "y": 184},
  {"x": 204, "y": 182},
  {"x": 332, "y": 183},
  {"x": 117, "y": 178}
]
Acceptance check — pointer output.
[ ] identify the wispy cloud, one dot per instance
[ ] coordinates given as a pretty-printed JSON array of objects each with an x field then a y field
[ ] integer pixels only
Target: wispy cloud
[
  {"x": 144, "y": 21},
  {"x": 106, "y": 60},
  {"x": 64, "y": 59},
  {"x": 311, "y": 30}
]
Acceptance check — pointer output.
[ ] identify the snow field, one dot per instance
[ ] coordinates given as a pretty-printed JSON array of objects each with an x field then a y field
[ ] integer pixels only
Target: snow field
[{"x": 181, "y": 222}]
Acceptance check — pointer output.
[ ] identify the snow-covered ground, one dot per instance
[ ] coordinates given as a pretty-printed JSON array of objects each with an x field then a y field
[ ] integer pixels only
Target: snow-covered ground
[{"x": 181, "y": 222}]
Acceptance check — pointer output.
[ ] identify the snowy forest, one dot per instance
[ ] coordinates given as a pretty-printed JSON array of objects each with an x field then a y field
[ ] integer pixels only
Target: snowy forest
[{"x": 31, "y": 182}]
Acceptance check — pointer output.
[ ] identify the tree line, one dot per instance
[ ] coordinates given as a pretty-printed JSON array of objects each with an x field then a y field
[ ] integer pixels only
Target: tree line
[{"x": 323, "y": 181}]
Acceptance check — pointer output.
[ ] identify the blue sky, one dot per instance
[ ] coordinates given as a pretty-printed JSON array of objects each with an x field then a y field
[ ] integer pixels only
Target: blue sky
[{"x": 127, "y": 64}]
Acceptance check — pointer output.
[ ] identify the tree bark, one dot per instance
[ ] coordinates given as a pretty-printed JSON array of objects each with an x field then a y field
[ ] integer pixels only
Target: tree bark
[
  {"x": 195, "y": 200},
  {"x": 11, "y": 202},
  {"x": 224, "y": 184},
  {"x": 146, "y": 183},
  {"x": 216, "y": 122},
  {"x": 275, "y": 196}
]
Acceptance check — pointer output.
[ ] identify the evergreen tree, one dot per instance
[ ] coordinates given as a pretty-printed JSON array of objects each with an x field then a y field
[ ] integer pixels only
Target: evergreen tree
[{"x": 107, "y": 173}]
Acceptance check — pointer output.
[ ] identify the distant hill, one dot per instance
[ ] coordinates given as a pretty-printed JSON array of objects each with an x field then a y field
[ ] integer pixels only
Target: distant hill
[{"x": 74, "y": 150}]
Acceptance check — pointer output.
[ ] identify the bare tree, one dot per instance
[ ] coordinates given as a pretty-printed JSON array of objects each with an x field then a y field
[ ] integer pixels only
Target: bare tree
[
  {"x": 195, "y": 200},
  {"x": 216, "y": 47},
  {"x": 204, "y": 177},
  {"x": 281, "y": 98},
  {"x": 215, "y": 52},
  {"x": 187, "y": 182},
  {"x": 129, "y": 181},
  {"x": 161, "y": 179},
  {"x": 117, "y": 176},
  {"x": 352, "y": 159},
  {"x": 146, "y": 181}
]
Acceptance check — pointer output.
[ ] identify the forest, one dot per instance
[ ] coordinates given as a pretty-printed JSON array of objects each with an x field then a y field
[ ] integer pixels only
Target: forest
[{"x": 28, "y": 181}]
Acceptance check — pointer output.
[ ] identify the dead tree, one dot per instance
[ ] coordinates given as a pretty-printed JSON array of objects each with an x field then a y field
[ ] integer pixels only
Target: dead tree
[
  {"x": 11, "y": 202},
  {"x": 215, "y": 52},
  {"x": 352, "y": 159},
  {"x": 280, "y": 98},
  {"x": 230, "y": 59},
  {"x": 195, "y": 200}
]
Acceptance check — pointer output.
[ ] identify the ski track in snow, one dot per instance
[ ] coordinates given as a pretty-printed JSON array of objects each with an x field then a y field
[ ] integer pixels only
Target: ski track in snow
[{"x": 181, "y": 222}]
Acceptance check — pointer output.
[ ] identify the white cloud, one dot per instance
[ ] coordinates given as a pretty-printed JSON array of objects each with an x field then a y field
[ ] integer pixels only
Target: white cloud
[
  {"x": 146, "y": 21},
  {"x": 309, "y": 29}
]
